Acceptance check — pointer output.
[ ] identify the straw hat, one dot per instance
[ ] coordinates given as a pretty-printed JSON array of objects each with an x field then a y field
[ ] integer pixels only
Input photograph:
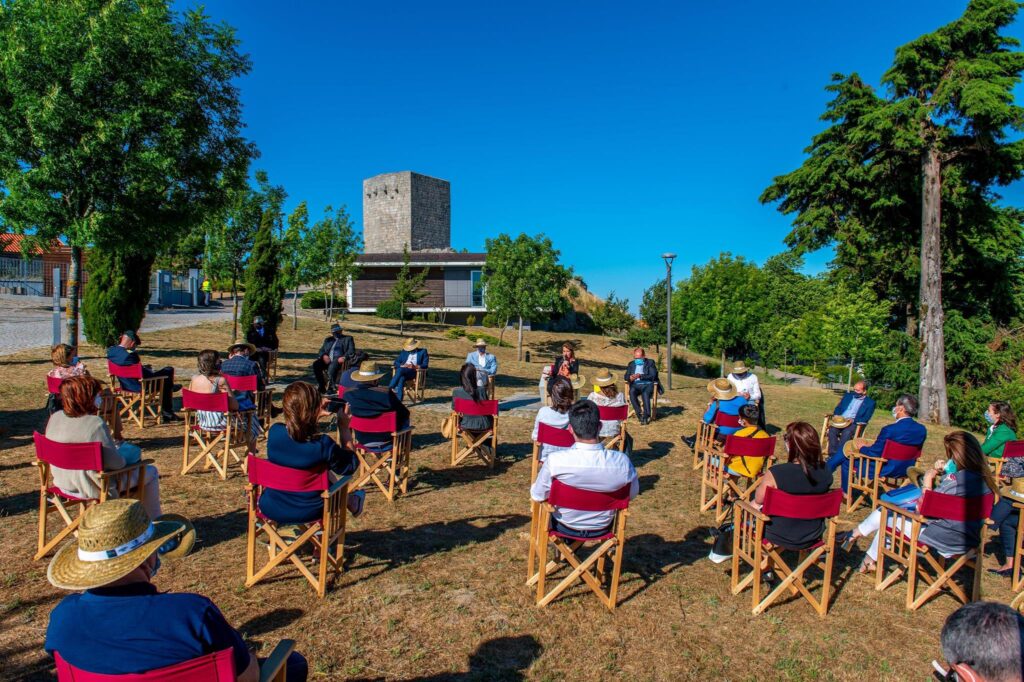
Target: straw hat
[
  {"x": 479, "y": 343},
  {"x": 740, "y": 368},
  {"x": 186, "y": 541},
  {"x": 1015, "y": 489},
  {"x": 577, "y": 381},
  {"x": 410, "y": 345},
  {"x": 242, "y": 344},
  {"x": 604, "y": 377},
  {"x": 722, "y": 389},
  {"x": 367, "y": 372},
  {"x": 838, "y": 421},
  {"x": 115, "y": 537}
]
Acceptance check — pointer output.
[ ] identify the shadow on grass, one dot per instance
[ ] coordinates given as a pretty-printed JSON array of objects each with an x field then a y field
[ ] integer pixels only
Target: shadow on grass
[
  {"x": 504, "y": 659},
  {"x": 22, "y": 503},
  {"x": 656, "y": 449},
  {"x": 472, "y": 470},
  {"x": 218, "y": 528},
  {"x": 272, "y": 620}
]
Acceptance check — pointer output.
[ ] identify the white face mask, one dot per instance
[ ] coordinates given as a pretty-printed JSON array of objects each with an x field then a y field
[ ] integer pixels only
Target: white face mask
[{"x": 894, "y": 415}]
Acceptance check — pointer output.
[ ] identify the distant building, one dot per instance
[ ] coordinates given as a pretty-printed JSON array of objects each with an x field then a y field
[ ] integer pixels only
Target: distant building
[{"x": 28, "y": 270}]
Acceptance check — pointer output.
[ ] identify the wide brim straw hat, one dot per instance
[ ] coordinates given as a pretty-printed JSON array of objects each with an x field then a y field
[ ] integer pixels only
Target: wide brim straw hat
[
  {"x": 603, "y": 377},
  {"x": 411, "y": 345},
  {"x": 367, "y": 372},
  {"x": 740, "y": 368},
  {"x": 187, "y": 538},
  {"x": 577, "y": 381},
  {"x": 480, "y": 342},
  {"x": 722, "y": 389},
  {"x": 839, "y": 421},
  {"x": 1015, "y": 489},
  {"x": 114, "y": 538},
  {"x": 242, "y": 344}
]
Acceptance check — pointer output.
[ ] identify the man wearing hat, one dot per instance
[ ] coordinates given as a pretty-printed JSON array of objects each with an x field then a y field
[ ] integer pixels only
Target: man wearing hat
[
  {"x": 369, "y": 400},
  {"x": 642, "y": 377},
  {"x": 118, "y": 623},
  {"x": 724, "y": 399},
  {"x": 413, "y": 356},
  {"x": 749, "y": 387},
  {"x": 855, "y": 409},
  {"x": 485, "y": 363},
  {"x": 238, "y": 364},
  {"x": 336, "y": 352},
  {"x": 264, "y": 340},
  {"x": 124, "y": 354}
]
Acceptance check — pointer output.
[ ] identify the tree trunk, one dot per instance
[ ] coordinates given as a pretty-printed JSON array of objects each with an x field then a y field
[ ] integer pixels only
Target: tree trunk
[
  {"x": 849, "y": 378},
  {"x": 330, "y": 306},
  {"x": 722, "y": 372},
  {"x": 501, "y": 334},
  {"x": 934, "y": 405},
  {"x": 519, "y": 341},
  {"x": 401, "y": 318},
  {"x": 74, "y": 291},
  {"x": 295, "y": 309},
  {"x": 234, "y": 308}
]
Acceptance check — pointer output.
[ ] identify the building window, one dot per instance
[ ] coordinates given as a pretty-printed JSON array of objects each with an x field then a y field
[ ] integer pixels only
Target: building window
[{"x": 475, "y": 277}]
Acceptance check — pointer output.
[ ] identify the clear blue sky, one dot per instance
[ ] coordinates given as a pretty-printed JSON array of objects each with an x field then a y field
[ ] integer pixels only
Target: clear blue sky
[{"x": 621, "y": 131}]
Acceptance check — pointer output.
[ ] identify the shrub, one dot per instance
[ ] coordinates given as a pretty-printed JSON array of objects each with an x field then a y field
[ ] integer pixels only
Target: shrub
[
  {"x": 264, "y": 287},
  {"x": 492, "y": 320},
  {"x": 455, "y": 333},
  {"x": 313, "y": 300},
  {"x": 433, "y": 317},
  {"x": 470, "y": 320},
  {"x": 116, "y": 296},
  {"x": 390, "y": 310}
]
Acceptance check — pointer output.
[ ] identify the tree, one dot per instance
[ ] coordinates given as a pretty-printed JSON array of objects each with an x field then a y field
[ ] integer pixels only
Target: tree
[
  {"x": 408, "y": 288},
  {"x": 263, "y": 286},
  {"x": 612, "y": 316},
  {"x": 654, "y": 313},
  {"x": 117, "y": 295},
  {"x": 293, "y": 271},
  {"x": 523, "y": 279},
  {"x": 939, "y": 140},
  {"x": 330, "y": 252},
  {"x": 118, "y": 123},
  {"x": 229, "y": 241},
  {"x": 853, "y": 326}
]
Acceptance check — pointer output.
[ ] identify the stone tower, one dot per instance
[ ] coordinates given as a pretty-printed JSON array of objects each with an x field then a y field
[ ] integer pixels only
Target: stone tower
[{"x": 406, "y": 208}]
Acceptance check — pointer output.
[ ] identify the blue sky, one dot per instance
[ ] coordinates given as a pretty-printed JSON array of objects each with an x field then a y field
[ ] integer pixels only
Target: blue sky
[{"x": 619, "y": 130}]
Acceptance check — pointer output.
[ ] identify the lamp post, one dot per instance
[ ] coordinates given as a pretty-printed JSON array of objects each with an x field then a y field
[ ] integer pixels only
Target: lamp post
[{"x": 669, "y": 257}]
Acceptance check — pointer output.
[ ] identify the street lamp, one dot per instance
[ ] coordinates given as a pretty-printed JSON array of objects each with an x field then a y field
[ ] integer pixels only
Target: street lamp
[{"x": 669, "y": 257}]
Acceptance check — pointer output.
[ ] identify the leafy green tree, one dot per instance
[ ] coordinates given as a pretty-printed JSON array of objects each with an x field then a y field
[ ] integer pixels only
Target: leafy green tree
[
  {"x": 654, "y": 313},
  {"x": 853, "y": 325},
  {"x": 523, "y": 279},
  {"x": 293, "y": 271},
  {"x": 229, "y": 241},
  {"x": 119, "y": 122},
  {"x": 117, "y": 295},
  {"x": 612, "y": 315},
  {"x": 330, "y": 252},
  {"x": 264, "y": 288},
  {"x": 408, "y": 289}
]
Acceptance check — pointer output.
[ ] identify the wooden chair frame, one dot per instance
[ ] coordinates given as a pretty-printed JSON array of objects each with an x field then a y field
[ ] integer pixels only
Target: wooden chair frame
[
  {"x": 415, "y": 390},
  {"x": 621, "y": 415},
  {"x": 52, "y": 500},
  {"x": 209, "y": 442},
  {"x": 1011, "y": 450},
  {"x": 752, "y": 549},
  {"x": 1017, "y": 574},
  {"x": 863, "y": 474},
  {"x": 490, "y": 387},
  {"x": 592, "y": 569},
  {"x": 716, "y": 482},
  {"x": 323, "y": 534},
  {"x": 913, "y": 557},
  {"x": 263, "y": 399},
  {"x": 858, "y": 430},
  {"x": 654, "y": 404},
  {"x": 706, "y": 444},
  {"x": 146, "y": 402},
  {"x": 393, "y": 463},
  {"x": 474, "y": 443},
  {"x": 272, "y": 365}
]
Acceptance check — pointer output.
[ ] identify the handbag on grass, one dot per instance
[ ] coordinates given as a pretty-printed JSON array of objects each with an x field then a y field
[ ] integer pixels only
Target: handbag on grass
[{"x": 449, "y": 425}]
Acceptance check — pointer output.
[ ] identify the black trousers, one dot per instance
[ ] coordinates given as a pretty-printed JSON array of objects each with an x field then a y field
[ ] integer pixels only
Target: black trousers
[
  {"x": 325, "y": 372},
  {"x": 167, "y": 393},
  {"x": 638, "y": 394},
  {"x": 760, "y": 413},
  {"x": 260, "y": 358}
]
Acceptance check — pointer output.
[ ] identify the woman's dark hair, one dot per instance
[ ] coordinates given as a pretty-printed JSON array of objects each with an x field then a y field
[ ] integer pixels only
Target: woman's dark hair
[
  {"x": 1005, "y": 414},
  {"x": 610, "y": 391},
  {"x": 804, "y": 446},
  {"x": 207, "y": 363},
  {"x": 964, "y": 449},
  {"x": 467, "y": 377},
  {"x": 78, "y": 395},
  {"x": 562, "y": 394},
  {"x": 301, "y": 405},
  {"x": 749, "y": 413}
]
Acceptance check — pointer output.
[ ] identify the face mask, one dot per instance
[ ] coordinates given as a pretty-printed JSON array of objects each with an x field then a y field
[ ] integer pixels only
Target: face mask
[
  {"x": 950, "y": 467},
  {"x": 74, "y": 361},
  {"x": 894, "y": 413},
  {"x": 988, "y": 416},
  {"x": 639, "y": 361}
]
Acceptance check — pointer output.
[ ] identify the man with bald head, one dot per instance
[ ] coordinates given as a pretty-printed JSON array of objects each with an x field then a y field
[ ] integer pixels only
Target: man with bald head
[{"x": 855, "y": 408}]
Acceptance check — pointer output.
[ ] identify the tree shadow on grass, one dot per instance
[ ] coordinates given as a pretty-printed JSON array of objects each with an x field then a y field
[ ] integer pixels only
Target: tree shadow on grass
[
  {"x": 22, "y": 503},
  {"x": 267, "y": 622},
  {"x": 503, "y": 659},
  {"x": 472, "y": 470},
  {"x": 218, "y": 528}
]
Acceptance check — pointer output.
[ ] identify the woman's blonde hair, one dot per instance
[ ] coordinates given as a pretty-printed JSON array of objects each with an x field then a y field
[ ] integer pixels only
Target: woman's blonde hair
[
  {"x": 964, "y": 449},
  {"x": 61, "y": 355}
]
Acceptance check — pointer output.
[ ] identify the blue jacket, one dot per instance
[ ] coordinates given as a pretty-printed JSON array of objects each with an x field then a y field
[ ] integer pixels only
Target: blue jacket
[
  {"x": 906, "y": 432},
  {"x": 867, "y": 408},
  {"x": 423, "y": 359},
  {"x": 490, "y": 362},
  {"x": 119, "y": 355},
  {"x": 731, "y": 406}
]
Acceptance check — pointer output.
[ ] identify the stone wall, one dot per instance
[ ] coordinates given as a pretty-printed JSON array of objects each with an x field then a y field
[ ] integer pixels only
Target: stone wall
[{"x": 406, "y": 209}]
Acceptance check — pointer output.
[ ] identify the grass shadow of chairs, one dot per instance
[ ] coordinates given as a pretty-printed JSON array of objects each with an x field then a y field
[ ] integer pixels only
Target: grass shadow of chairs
[
  {"x": 20, "y": 503},
  {"x": 425, "y": 480},
  {"x": 505, "y": 659},
  {"x": 656, "y": 449},
  {"x": 215, "y": 529}
]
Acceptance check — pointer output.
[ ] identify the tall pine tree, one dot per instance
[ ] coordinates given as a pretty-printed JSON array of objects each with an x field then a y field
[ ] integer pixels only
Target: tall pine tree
[{"x": 264, "y": 288}]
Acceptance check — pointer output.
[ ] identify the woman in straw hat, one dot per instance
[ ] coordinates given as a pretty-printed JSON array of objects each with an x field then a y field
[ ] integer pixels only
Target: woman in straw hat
[
  {"x": 413, "y": 356},
  {"x": 120, "y": 624},
  {"x": 607, "y": 394},
  {"x": 724, "y": 399}
]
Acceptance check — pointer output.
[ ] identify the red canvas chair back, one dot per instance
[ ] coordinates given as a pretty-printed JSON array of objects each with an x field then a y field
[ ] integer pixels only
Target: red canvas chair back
[
  {"x": 125, "y": 371},
  {"x": 613, "y": 414},
  {"x": 898, "y": 451},
  {"x": 735, "y": 446},
  {"x": 787, "y": 505},
  {"x": 384, "y": 422},
  {"x": 76, "y": 456},
  {"x": 567, "y": 497},
  {"x": 1013, "y": 449},
  {"x": 53, "y": 385},
  {"x": 266, "y": 474},
  {"x": 556, "y": 437},
  {"x": 727, "y": 420},
  {"x": 955, "y": 508},
  {"x": 484, "y": 408},
  {"x": 207, "y": 402},
  {"x": 246, "y": 383},
  {"x": 216, "y": 667}
]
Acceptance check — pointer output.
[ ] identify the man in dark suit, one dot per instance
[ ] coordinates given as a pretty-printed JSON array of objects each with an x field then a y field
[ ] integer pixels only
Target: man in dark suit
[
  {"x": 124, "y": 354},
  {"x": 642, "y": 377},
  {"x": 336, "y": 352},
  {"x": 904, "y": 431},
  {"x": 264, "y": 340},
  {"x": 854, "y": 409},
  {"x": 238, "y": 364},
  {"x": 412, "y": 357},
  {"x": 370, "y": 400}
]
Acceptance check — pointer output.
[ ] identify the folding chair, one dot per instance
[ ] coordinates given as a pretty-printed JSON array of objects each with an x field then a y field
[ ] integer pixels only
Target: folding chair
[
  {"x": 548, "y": 435},
  {"x": 1012, "y": 450},
  {"x": 272, "y": 365},
  {"x": 858, "y": 430},
  {"x": 475, "y": 442},
  {"x": 716, "y": 481},
  {"x": 419, "y": 385},
  {"x": 864, "y": 472},
  {"x": 750, "y": 547},
  {"x": 490, "y": 387},
  {"x": 326, "y": 534},
  {"x": 706, "y": 444},
  {"x": 914, "y": 557},
  {"x": 216, "y": 667},
  {"x": 235, "y": 433},
  {"x": 53, "y": 385},
  {"x": 619, "y": 414},
  {"x": 654, "y": 406},
  {"x": 590, "y": 569},
  {"x": 77, "y": 457},
  {"x": 264, "y": 399},
  {"x": 137, "y": 405},
  {"x": 392, "y": 460}
]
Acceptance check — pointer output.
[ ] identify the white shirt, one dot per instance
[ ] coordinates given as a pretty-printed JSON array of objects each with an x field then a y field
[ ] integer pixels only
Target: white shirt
[
  {"x": 551, "y": 417},
  {"x": 748, "y": 384},
  {"x": 587, "y": 466},
  {"x": 413, "y": 359}
]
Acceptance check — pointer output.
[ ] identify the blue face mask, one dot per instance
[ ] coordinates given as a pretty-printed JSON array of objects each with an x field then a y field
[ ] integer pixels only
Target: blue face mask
[
  {"x": 639, "y": 361},
  {"x": 989, "y": 418},
  {"x": 74, "y": 361},
  {"x": 950, "y": 467}
]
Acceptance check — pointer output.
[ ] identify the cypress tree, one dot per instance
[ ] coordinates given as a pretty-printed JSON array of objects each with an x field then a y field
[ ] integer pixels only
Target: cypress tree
[
  {"x": 263, "y": 286},
  {"x": 116, "y": 295}
]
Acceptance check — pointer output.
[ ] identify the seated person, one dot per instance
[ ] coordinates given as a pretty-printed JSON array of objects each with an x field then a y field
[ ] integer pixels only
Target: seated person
[
  {"x": 469, "y": 389},
  {"x": 485, "y": 363},
  {"x": 117, "y": 622},
  {"x": 124, "y": 354},
  {"x": 642, "y": 377},
  {"x": 79, "y": 423},
  {"x": 557, "y": 415},
  {"x": 1001, "y": 430},
  {"x": 905, "y": 431},
  {"x": 725, "y": 399},
  {"x": 337, "y": 352},
  {"x": 981, "y": 642},
  {"x": 565, "y": 365},
  {"x": 745, "y": 466},
  {"x": 298, "y": 444},
  {"x": 607, "y": 394},
  {"x": 263, "y": 340},
  {"x": 240, "y": 364},
  {"x": 66, "y": 365},
  {"x": 855, "y": 408},
  {"x": 965, "y": 474},
  {"x": 412, "y": 357},
  {"x": 369, "y": 400},
  {"x": 587, "y": 465},
  {"x": 1004, "y": 515},
  {"x": 209, "y": 380}
]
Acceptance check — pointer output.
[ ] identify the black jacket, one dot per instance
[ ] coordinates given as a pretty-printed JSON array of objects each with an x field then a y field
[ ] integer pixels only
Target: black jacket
[
  {"x": 373, "y": 402},
  {"x": 650, "y": 373},
  {"x": 268, "y": 340},
  {"x": 341, "y": 347},
  {"x": 574, "y": 366}
]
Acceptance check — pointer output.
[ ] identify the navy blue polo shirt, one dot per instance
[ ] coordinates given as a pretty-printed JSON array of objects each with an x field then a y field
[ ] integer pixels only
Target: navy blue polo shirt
[
  {"x": 134, "y": 628},
  {"x": 119, "y": 355}
]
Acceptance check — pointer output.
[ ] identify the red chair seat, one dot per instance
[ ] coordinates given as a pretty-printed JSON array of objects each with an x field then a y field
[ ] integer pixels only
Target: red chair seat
[{"x": 54, "y": 490}]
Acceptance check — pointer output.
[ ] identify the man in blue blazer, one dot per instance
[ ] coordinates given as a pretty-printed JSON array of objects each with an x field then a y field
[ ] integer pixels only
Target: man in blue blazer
[
  {"x": 124, "y": 354},
  {"x": 905, "y": 431},
  {"x": 485, "y": 363},
  {"x": 642, "y": 377},
  {"x": 855, "y": 408},
  {"x": 406, "y": 364}
]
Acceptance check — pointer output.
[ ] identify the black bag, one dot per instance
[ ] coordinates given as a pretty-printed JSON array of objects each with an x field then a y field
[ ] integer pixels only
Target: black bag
[
  {"x": 722, "y": 548},
  {"x": 53, "y": 403},
  {"x": 627, "y": 446}
]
